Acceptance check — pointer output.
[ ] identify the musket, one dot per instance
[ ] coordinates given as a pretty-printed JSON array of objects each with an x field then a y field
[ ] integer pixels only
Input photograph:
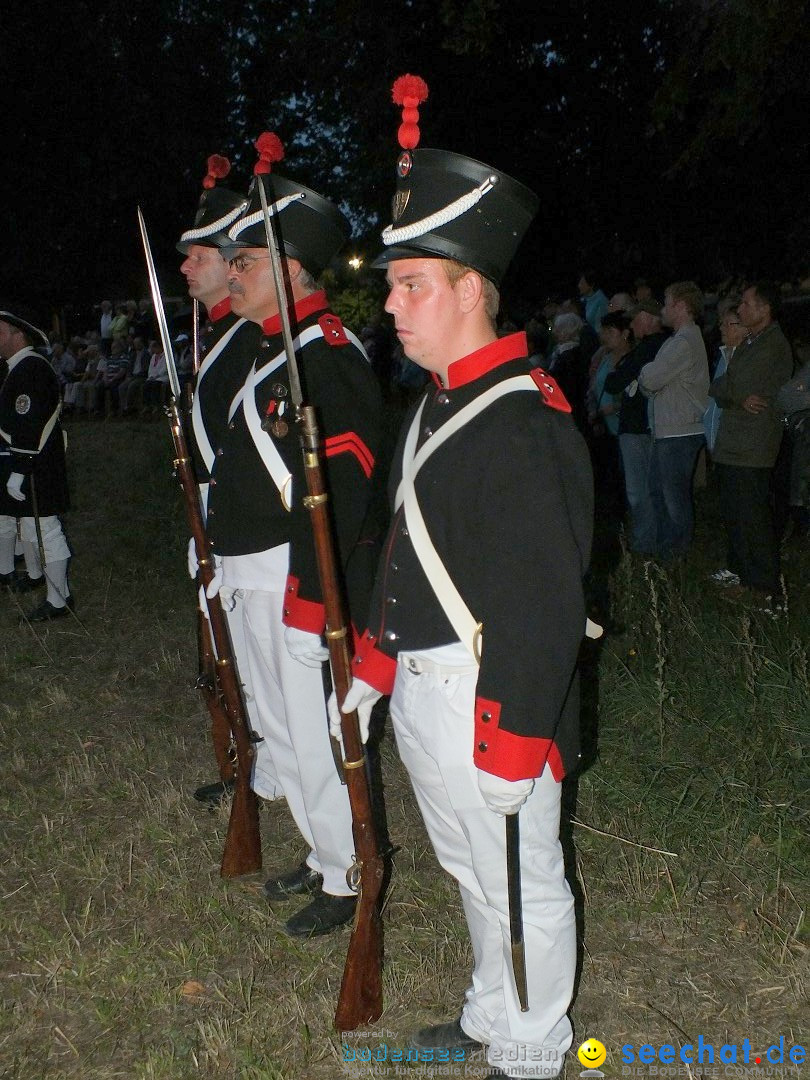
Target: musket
[
  {"x": 206, "y": 681},
  {"x": 516, "y": 909},
  {"x": 360, "y": 999},
  {"x": 243, "y": 853}
]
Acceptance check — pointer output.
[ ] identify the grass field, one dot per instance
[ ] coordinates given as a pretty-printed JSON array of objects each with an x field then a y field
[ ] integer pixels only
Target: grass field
[{"x": 125, "y": 955}]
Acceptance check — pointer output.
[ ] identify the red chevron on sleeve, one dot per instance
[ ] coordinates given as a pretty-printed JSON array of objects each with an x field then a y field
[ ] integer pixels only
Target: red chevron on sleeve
[{"x": 350, "y": 443}]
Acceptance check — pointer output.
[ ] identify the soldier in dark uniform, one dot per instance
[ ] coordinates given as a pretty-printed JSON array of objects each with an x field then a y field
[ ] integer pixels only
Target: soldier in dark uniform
[
  {"x": 259, "y": 527},
  {"x": 228, "y": 349},
  {"x": 33, "y": 475},
  {"x": 478, "y": 609}
]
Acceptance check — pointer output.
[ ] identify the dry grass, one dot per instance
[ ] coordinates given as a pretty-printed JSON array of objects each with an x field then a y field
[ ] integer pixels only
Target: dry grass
[{"x": 125, "y": 955}]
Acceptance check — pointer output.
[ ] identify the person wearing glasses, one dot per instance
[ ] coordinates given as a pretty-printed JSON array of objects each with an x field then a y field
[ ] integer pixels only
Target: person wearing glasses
[
  {"x": 261, "y": 531},
  {"x": 227, "y": 349}
]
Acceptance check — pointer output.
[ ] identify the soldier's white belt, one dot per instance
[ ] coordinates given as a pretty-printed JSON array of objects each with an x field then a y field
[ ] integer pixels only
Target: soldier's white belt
[
  {"x": 198, "y": 426},
  {"x": 468, "y": 629}
]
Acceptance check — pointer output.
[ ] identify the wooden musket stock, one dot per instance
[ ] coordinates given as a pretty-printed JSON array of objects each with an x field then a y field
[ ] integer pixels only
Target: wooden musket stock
[
  {"x": 360, "y": 1000},
  {"x": 211, "y": 693},
  {"x": 243, "y": 852}
]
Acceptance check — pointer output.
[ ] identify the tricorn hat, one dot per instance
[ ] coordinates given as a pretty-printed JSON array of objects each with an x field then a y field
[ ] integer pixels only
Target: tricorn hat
[
  {"x": 38, "y": 337},
  {"x": 218, "y": 208},
  {"x": 311, "y": 228},
  {"x": 451, "y": 207}
]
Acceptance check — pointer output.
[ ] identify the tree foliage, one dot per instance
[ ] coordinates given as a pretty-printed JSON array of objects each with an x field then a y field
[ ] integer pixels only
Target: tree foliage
[{"x": 663, "y": 139}]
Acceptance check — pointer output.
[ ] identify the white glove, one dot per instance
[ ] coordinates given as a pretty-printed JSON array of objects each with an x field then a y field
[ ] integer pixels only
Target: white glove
[
  {"x": 193, "y": 565},
  {"x": 215, "y": 586},
  {"x": 503, "y": 797},
  {"x": 305, "y": 647},
  {"x": 360, "y": 697},
  {"x": 14, "y": 486}
]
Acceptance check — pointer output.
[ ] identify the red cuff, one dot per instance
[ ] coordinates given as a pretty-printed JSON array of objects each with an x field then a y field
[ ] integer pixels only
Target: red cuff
[
  {"x": 511, "y": 756},
  {"x": 373, "y": 666},
  {"x": 300, "y": 613}
]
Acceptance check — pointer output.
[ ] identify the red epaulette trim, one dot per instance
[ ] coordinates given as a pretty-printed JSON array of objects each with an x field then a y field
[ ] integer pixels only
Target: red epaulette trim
[
  {"x": 333, "y": 332},
  {"x": 549, "y": 390},
  {"x": 503, "y": 753}
]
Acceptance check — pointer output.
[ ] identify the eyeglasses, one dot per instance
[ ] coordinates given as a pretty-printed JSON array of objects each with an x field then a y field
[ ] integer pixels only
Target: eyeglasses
[{"x": 240, "y": 263}]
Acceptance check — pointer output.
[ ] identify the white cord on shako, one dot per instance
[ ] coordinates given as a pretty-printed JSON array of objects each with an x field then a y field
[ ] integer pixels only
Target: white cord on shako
[
  {"x": 441, "y": 217},
  {"x": 217, "y": 226},
  {"x": 274, "y": 208}
]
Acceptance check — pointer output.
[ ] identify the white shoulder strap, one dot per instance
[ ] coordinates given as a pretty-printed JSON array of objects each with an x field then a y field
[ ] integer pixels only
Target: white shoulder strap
[
  {"x": 272, "y": 459},
  {"x": 200, "y": 434},
  {"x": 458, "y": 614},
  {"x": 468, "y": 629}
]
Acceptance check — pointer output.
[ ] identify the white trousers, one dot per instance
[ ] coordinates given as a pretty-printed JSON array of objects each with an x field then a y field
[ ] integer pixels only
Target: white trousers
[
  {"x": 264, "y": 780},
  {"x": 291, "y": 716},
  {"x": 432, "y": 714}
]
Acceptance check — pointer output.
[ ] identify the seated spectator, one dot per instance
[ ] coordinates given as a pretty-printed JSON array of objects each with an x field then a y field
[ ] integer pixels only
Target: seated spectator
[
  {"x": 621, "y": 301},
  {"x": 63, "y": 362},
  {"x": 130, "y": 392},
  {"x": 86, "y": 384},
  {"x": 184, "y": 359},
  {"x": 113, "y": 375},
  {"x": 157, "y": 381}
]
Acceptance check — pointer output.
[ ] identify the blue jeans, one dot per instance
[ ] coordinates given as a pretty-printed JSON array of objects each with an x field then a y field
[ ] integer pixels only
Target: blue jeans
[
  {"x": 672, "y": 466},
  {"x": 636, "y": 450}
]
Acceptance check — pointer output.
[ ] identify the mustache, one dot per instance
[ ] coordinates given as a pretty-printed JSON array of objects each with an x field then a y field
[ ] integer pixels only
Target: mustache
[{"x": 235, "y": 288}]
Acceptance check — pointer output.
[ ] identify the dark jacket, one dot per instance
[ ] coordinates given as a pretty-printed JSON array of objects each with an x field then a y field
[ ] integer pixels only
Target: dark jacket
[
  {"x": 759, "y": 366},
  {"x": 29, "y": 403},
  {"x": 633, "y": 408},
  {"x": 508, "y": 503},
  {"x": 245, "y": 510}
]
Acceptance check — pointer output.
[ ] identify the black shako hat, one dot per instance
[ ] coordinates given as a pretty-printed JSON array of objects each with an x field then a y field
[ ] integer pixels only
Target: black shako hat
[
  {"x": 311, "y": 228},
  {"x": 217, "y": 210},
  {"x": 38, "y": 337},
  {"x": 449, "y": 206}
]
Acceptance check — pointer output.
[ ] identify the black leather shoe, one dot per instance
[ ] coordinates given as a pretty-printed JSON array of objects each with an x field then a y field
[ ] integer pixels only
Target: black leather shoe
[
  {"x": 24, "y": 584},
  {"x": 47, "y": 611},
  {"x": 443, "y": 1036},
  {"x": 214, "y": 794},
  {"x": 299, "y": 882},
  {"x": 324, "y": 914}
]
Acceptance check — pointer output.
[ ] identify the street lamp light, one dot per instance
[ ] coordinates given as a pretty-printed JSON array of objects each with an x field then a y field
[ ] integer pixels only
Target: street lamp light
[{"x": 355, "y": 262}]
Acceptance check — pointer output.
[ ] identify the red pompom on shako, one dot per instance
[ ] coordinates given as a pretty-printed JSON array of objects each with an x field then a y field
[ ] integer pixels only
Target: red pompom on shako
[
  {"x": 271, "y": 150},
  {"x": 409, "y": 91},
  {"x": 218, "y": 168}
]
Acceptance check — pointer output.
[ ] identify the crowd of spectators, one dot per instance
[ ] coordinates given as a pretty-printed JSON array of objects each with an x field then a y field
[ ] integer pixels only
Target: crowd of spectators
[
  {"x": 118, "y": 367},
  {"x": 670, "y": 387},
  {"x": 674, "y": 388}
]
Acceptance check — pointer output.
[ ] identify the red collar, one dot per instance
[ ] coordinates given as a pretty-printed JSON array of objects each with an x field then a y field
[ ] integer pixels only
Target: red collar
[
  {"x": 307, "y": 306},
  {"x": 478, "y": 363},
  {"x": 220, "y": 310}
]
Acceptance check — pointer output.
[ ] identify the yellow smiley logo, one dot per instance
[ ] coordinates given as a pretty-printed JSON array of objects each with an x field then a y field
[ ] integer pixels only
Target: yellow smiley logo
[{"x": 592, "y": 1054}]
